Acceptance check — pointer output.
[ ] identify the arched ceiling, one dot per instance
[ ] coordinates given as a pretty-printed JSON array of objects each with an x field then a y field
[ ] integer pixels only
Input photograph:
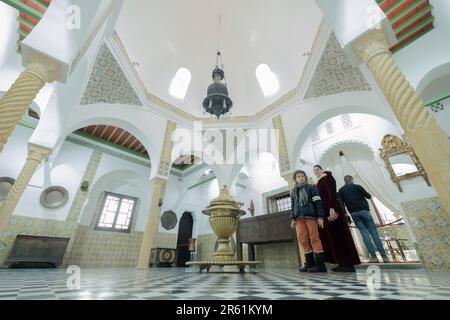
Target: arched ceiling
[
  {"x": 114, "y": 137},
  {"x": 162, "y": 36}
]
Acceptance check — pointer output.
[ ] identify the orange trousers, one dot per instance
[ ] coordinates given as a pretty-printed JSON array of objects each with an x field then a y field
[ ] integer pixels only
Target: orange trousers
[{"x": 308, "y": 235}]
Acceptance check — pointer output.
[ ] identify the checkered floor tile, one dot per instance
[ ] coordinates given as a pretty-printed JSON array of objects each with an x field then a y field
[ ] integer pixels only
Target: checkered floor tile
[{"x": 187, "y": 284}]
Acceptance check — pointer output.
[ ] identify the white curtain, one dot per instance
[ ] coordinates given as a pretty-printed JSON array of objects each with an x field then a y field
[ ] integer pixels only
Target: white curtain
[
  {"x": 362, "y": 160},
  {"x": 332, "y": 161}
]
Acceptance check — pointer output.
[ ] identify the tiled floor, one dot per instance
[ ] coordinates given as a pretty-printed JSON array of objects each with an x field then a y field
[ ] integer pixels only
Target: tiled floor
[{"x": 118, "y": 284}]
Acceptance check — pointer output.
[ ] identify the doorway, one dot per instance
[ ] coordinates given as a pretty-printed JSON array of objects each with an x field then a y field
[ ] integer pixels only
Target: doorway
[{"x": 184, "y": 234}]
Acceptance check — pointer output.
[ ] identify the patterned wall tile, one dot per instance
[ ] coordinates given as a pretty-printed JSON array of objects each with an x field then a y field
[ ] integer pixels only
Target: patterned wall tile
[
  {"x": 431, "y": 227},
  {"x": 437, "y": 107},
  {"x": 205, "y": 247},
  {"x": 335, "y": 74},
  {"x": 108, "y": 83},
  {"x": 165, "y": 240},
  {"x": 30, "y": 226},
  {"x": 277, "y": 255},
  {"x": 105, "y": 249}
]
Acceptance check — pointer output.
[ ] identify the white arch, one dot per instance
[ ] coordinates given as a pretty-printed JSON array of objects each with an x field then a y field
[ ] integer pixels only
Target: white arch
[
  {"x": 434, "y": 74},
  {"x": 322, "y": 117},
  {"x": 100, "y": 185},
  {"x": 96, "y": 116},
  {"x": 339, "y": 144}
]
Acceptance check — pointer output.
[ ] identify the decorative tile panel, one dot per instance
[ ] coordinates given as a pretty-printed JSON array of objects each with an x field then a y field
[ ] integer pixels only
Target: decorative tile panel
[
  {"x": 277, "y": 255},
  {"x": 205, "y": 246},
  {"x": 165, "y": 240},
  {"x": 335, "y": 74},
  {"x": 347, "y": 122},
  {"x": 105, "y": 249},
  {"x": 431, "y": 226},
  {"x": 30, "y": 226},
  {"x": 437, "y": 107},
  {"x": 108, "y": 83}
]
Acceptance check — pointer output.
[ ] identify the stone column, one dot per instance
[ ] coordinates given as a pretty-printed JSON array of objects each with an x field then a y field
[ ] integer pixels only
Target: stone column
[
  {"x": 285, "y": 165},
  {"x": 79, "y": 201},
  {"x": 158, "y": 188},
  {"x": 15, "y": 103},
  {"x": 36, "y": 155},
  {"x": 423, "y": 132},
  {"x": 151, "y": 228}
]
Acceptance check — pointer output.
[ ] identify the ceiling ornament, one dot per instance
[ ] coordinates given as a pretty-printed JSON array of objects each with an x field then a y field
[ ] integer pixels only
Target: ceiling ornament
[
  {"x": 335, "y": 74},
  {"x": 108, "y": 83}
]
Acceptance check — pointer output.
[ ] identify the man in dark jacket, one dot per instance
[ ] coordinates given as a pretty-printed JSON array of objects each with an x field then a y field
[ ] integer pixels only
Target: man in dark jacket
[
  {"x": 306, "y": 217},
  {"x": 354, "y": 197}
]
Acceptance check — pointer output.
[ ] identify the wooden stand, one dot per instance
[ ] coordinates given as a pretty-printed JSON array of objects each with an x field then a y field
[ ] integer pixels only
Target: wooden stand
[{"x": 208, "y": 264}]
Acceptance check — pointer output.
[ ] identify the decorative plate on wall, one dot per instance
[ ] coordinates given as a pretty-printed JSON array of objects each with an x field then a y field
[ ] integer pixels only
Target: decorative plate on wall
[
  {"x": 5, "y": 184},
  {"x": 169, "y": 219},
  {"x": 54, "y": 197}
]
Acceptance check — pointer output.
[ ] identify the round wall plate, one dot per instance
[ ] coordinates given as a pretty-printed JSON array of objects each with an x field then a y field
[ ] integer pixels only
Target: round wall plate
[
  {"x": 169, "y": 220},
  {"x": 54, "y": 197},
  {"x": 5, "y": 184}
]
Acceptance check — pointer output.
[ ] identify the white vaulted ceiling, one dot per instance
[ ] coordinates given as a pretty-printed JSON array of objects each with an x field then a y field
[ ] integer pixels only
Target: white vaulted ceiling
[{"x": 162, "y": 36}]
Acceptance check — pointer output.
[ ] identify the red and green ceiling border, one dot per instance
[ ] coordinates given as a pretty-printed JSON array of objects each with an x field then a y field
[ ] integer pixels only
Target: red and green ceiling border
[
  {"x": 114, "y": 137},
  {"x": 410, "y": 19},
  {"x": 30, "y": 13}
]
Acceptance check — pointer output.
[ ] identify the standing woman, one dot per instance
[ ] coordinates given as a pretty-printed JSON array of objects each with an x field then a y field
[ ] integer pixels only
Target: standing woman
[{"x": 335, "y": 236}]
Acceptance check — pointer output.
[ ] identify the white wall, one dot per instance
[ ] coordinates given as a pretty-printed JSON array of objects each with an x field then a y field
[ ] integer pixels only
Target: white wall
[
  {"x": 441, "y": 13},
  {"x": 9, "y": 36},
  {"x": 67, "y": 171},
  {"x": 423, "y": 55}
]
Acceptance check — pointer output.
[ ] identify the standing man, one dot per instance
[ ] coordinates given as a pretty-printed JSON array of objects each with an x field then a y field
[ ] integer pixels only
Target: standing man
[{"x": 354, "y": 197}]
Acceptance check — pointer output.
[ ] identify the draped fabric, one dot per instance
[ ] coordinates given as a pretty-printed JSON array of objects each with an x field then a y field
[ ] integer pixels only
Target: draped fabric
[
  {"x": 363, "y": 163},
  {"x": 335, "y": 236}
]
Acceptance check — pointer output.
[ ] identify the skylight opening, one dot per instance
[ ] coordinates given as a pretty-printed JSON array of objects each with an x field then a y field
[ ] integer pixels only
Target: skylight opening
[
  {"x": 180, "y": 83},
  {"x": 268, "y": 81}
]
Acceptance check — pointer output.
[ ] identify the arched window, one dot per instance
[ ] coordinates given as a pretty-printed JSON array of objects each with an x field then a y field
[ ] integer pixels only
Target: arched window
[
  {"x": 268, "y": 81},
  {"x": 180, "y": 83}
]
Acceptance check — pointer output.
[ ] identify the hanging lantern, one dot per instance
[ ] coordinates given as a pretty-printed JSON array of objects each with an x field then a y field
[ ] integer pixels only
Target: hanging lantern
[{"x": 217, "y": 102}]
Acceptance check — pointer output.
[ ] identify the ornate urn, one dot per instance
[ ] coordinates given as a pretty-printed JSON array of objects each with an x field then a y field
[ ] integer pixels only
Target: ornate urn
[{"x": 224, "y": 214}]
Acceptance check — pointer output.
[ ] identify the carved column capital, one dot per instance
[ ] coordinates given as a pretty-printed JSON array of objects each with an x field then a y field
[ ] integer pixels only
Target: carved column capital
[
  {"x": 288, "y": 178},
  {"x": 45, "y": 69},
  {"x": 38, "y": 153},
  {"x": 372, "y": 44}
]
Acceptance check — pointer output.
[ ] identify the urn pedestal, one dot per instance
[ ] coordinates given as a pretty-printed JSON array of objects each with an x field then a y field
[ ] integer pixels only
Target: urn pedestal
[{"x": 224, "y": 213}]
